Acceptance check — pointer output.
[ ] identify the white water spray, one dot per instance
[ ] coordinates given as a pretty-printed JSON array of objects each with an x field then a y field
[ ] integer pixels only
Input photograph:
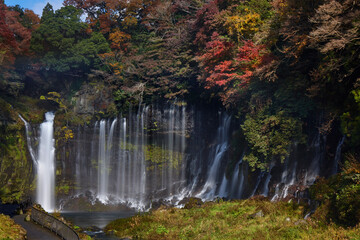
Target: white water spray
[{"x": 45, "y": 190}]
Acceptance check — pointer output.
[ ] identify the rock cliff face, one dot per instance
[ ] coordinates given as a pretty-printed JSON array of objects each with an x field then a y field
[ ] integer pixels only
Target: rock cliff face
[
  {"x": 91, "y": 99},
  {"x": 16, "y": 173},
  {"x": 163, "y": 152}
]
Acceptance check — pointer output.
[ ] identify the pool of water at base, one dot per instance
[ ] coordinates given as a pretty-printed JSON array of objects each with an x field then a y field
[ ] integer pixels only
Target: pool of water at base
[{"x": 89, "y": 220}]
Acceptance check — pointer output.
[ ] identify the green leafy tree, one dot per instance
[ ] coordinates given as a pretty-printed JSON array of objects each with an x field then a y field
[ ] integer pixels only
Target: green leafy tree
[
  {"x": 62, "y": 44},
  {"x": 270, "y": 137},
  {"x": 350, "y": 120}
]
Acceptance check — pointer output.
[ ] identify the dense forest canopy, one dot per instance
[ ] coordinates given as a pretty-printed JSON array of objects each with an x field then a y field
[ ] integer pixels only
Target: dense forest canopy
[{"x": 279, "y": 65}]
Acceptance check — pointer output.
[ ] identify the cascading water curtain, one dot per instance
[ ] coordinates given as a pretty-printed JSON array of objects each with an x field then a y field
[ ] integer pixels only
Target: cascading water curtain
[{"x": 45, "y": 190}]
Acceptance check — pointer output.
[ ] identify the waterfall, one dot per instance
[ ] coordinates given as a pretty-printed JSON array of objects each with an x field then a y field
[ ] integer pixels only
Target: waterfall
[
  {"x": 29, "y": 140},
  {"x": 261, "y": 175},
  {"x": 237, "y": 182},
  {"x": 223, "y": 187},
  {"x": 123, "y": 160},
  {"x": 45, "y": 190},
  {"x": 313, "y": 171},
  {"x": 129, "y": 183},
  {"x": 337, "y": 157},
  {"x": 44, "y": 160},
  {"x": 120, "y": 189},
  {"x": 144, "y": 145},
  {"x": 105, "y": 154},
  {"x": 216, "y": 155},
  {"x": 265, "y": 191},
  {"x": 109, "y": 154},
  {"x": 183, "y": 142},
  {"x": 102, "y": 189},
  {"x": 170, "y": 152},
  {"x": 288, "y": 178},
  {"x": 93, "y": 157},
  {"x": 170, "y": 146}
]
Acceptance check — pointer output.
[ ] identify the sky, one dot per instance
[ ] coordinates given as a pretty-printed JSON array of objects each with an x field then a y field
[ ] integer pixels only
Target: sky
[{"x": 35, "y": 5}]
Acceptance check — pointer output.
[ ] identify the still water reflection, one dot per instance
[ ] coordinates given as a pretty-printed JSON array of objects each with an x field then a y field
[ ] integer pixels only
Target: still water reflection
[{"x": 95, "y": 221}]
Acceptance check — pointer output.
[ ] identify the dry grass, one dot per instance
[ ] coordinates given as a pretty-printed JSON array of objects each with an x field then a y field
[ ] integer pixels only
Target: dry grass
[{"x": 9, "y": 230}]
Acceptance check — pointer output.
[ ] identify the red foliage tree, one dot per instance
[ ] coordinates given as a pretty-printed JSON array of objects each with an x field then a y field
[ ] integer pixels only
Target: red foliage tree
[
  {"x": 204, "y": 22},
  {"x": 21, "y": 33},
  {"x": 228, "y": 70},
  {"x": 14, "y": 37},
  {"x": 216, "y": 62},
  {"x": 31, "y": 19},
  {"x": 249, "y": 57},
  {"x": 7, "y": 39}
]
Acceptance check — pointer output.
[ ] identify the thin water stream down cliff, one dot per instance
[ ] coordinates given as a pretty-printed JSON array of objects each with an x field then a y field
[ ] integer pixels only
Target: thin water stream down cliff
[{"x": 166, "y": 154}]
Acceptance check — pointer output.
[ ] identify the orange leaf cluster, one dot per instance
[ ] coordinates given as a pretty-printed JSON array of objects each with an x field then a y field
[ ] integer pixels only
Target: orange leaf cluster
[{"x": 119, "y": 40}]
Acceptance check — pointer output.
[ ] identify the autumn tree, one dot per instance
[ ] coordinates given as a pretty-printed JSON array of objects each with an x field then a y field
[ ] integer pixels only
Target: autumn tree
[
  {"x": 204, "y": 23},
  {"x": 104, "y": 15},
  {"x": 16, "y": 26},
  {"x": 157, "y": 58},
  {"x": 335, "y": 81},
  {"x": 241, "y": 21},
  {"x": 15, "y": 34},
  {"x": 336, "y": 36},
  {"x": 8, "y": 42},
  {"x": 26, "y": 17}
]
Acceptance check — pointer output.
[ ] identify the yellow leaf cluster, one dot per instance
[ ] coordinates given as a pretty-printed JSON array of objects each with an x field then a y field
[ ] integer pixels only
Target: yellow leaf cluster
[
  {"x": 118, "y": 38},
  {"x": 56, "y": 97},
  {"x": 239, "y": 26},
  {"x": 63, "y": 135},
  {"x": 55, "y": 94},
  {"x": 67, "y": 133}
]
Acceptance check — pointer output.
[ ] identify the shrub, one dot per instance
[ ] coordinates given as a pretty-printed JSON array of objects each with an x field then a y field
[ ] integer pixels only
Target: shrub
[{"x": 340, "y": 195}]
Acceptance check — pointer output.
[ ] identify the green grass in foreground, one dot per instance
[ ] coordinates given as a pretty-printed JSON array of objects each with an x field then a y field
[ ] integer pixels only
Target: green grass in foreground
[
  {"x": 9, "y": 230},
  {"x": 230, "y": 220}
]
